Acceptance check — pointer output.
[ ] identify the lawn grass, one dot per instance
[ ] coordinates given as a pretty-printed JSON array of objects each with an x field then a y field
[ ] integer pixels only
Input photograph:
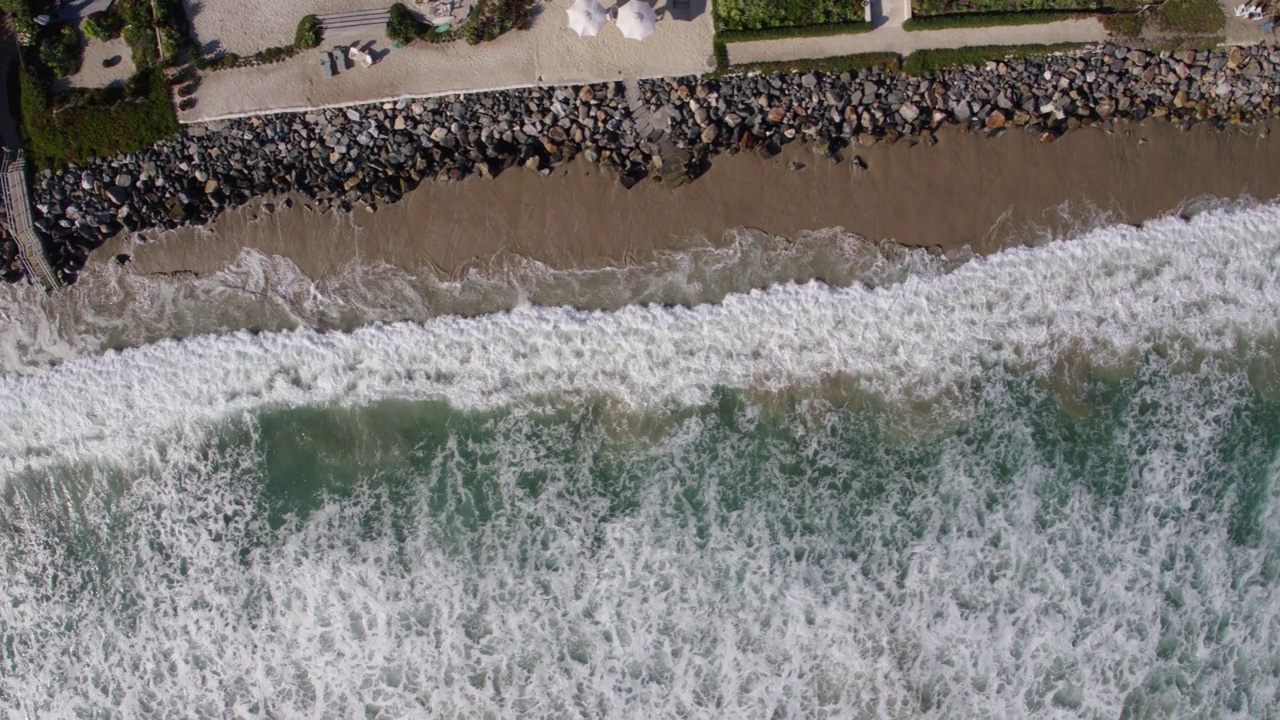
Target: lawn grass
[
  {"x": 930, "y": 62},
  {"x": 969, "y": 20},
  {"x": 92, "y": 123}
]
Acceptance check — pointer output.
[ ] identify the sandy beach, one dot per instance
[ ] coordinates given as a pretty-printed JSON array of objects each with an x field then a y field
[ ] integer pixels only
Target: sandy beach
[{"x": 967, "y": 190}]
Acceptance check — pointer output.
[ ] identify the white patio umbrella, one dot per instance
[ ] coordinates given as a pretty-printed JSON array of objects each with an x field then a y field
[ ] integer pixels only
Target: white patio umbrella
[
  {"x": 586, "y": 17},
  {"x": 636, "y": 19}
]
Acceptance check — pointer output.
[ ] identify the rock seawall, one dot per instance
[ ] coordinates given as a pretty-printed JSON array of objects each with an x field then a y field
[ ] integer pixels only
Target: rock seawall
[{"x": 374, "y": 154}]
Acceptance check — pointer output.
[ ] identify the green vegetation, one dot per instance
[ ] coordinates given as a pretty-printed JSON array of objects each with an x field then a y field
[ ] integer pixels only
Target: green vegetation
[
  {"x": 21, "y": 16},
  {"x": 82, "y": 123},
  {"x": 834, "y": 65},
  {"x": 777, "y": 33},
  {"x": 761, "y": 14},
  {"x": 930, "y": 62},
  {"x": 403, "y": 26},
  {"x": 1201, "y": 17},
  {"x": 921, "y": 8},
  {"x": 62, "y": 51},
  {"x": 987, "y": 19},
  {"x": 491, "y": 18},
  {"x": 103, "y": 25},
  {"x": 1124, "y": 24},
  {"x": 308, "y": 33}
]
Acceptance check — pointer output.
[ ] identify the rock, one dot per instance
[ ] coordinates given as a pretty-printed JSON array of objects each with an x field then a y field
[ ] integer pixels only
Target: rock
[
  {"x": 351, "y": 182},
  {"x": 1181, "y": 99},
  {"x": 795, "y": 166},
  {"x": 776, "y": 114},
  {"x": 858, "y": 162},
  {"x": 117, "y": 194},
  {"x": 398, "y": 124},
  {"x": 909, "y": 112},
  {"x": 353, "y": 115},
  {"x": 709, "y": 133},
  {"x": 87, "y": 180},
  {"x": 809, "y": 80},
  {"x": 995, "y": 120},
  {"x": 210, "y": 187}
]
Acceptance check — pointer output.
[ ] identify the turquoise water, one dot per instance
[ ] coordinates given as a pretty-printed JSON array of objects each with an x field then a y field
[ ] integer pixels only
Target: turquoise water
[{"x": 1040, "y": 485}]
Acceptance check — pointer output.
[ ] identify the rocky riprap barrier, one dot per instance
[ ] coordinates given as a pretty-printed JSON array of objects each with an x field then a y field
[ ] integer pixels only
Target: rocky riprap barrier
[{"x": 374, "y": 154}]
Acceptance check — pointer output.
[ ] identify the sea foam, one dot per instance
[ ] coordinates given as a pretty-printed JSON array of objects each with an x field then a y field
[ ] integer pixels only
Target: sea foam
[{"x": 1186, "y": 288}]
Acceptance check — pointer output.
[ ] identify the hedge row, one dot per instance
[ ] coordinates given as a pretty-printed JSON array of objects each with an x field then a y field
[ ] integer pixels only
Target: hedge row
[{"x": 971, "y": 20}]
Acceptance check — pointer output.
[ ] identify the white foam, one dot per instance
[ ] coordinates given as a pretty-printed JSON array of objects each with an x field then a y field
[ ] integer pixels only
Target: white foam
[{"x": 1210, "y": 284}]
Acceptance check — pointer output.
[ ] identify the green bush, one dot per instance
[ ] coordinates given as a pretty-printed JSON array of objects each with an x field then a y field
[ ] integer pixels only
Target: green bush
[
  {"x": 930, "y": 62},
  {"x": 1202, "y": 17},
  {"x": 921, "y": 8},
  {"x": 103, "y": 25},
  {"x": 402, "y": 26},
  {"x": 778, "y": 33},
  {"x": 967, "y": 20},
  {"x": 1124, "y": 25},
  {"x": 760, "y": 14},
  {"x": 491, "y": 18},
  {"x": 62, "y": 51},
  {"x": 88, "y": 123},
  {"x": 308, "y": 34},
  {"x": 142, "y": 44},
  {"x": 833, "y": 65},
  {"x": 171, "y": 43}
]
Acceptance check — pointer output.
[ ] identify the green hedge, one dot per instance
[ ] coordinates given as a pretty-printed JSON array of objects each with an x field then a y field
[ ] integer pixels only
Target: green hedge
[
  {"x": 778, "y": 33},
  {"x": 92, "y": 122},
  {"x": 832, "y": 65},
  {"x": 921, "y": 8},
  {"x": 762, "y": 14},
  {"x": 969, "y": 20},
  {"x": 930, "y": 62}
]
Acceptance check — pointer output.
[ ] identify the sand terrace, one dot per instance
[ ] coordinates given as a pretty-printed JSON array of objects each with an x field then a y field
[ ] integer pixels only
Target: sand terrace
[{"x": 548, "y": 53}]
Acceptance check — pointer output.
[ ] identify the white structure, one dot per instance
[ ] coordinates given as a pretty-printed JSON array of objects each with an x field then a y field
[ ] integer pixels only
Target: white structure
[
  {"x": 636, "y": 20},
  {"x": 586, "y": 17}
]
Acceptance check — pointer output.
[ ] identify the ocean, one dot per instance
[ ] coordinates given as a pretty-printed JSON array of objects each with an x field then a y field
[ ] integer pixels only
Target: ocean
[{"x": 777, "y": 480}]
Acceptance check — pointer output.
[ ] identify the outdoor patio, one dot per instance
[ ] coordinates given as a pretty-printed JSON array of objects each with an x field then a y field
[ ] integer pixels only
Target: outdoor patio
[{"x": 549, "y": 53}]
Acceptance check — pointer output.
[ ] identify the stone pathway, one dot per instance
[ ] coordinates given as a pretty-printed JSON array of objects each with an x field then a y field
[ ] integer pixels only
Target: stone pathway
[
  {"x": 365, "y": 22},
  {"x": 890, "y": 37}
]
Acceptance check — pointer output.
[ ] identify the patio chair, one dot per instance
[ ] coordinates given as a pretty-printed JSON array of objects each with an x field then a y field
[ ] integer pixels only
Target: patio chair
[{"x": 680, "y": 9}]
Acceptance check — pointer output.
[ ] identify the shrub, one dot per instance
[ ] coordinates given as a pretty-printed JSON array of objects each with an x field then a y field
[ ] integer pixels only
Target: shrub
[
  {"x": 62, "y": 51},
  {"x": 760, "y": 14},
  {"x": 777, "y": 33},
  {"x": 835, "y": 65},
  {"x": 959, "y": 7},
  {"x": 308, "y": 34},
  {"x": 171, "y": 42},
  {"x": 142, "y": 44},
  {"x": 930, "y": 62},
  {"x": 402, "y": 26},
  {"x": 103, "y": 25},
  {"x": 491, "y": 18},
  {"x": 1125, "y": 25},
  {"x": 1191, "y": 16},
  {"x": 136, "y": 117},
  {"x": 964, "y": 20}
]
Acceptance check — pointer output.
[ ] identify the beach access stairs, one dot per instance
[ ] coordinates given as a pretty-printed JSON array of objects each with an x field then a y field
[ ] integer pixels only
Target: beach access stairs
[
  {"x": 358, "y": 22},
  {"x": 17, "y": 205}
]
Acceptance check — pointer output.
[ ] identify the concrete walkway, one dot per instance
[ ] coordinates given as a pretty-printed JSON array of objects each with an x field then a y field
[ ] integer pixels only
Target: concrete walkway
[{"x": 889, "y": 36}]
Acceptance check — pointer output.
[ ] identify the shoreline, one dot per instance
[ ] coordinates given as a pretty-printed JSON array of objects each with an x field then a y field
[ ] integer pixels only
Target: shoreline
[
  {"x": 967, "y": 191},
  {"x": 677, "y": 129}
]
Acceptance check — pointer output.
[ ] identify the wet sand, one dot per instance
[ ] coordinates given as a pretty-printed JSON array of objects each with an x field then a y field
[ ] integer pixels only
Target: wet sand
[{"x": 968, "y": 190}]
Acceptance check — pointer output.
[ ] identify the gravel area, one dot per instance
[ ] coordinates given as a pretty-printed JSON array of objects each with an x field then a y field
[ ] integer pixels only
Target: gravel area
[{"x": 98, "y": 55}]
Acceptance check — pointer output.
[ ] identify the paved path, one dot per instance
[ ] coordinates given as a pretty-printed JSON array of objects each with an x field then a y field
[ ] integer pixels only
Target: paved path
[
  {"x": 548, "y": 53},
  {"x": 889, "y": 37}
]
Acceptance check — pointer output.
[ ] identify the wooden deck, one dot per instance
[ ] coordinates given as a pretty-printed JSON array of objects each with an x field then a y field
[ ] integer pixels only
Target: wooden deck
[{"x": 13, "y": 193}]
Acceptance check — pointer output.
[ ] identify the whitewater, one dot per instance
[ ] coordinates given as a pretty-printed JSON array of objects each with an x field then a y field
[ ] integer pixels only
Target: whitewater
[{"x": 1038, "y": 483}]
